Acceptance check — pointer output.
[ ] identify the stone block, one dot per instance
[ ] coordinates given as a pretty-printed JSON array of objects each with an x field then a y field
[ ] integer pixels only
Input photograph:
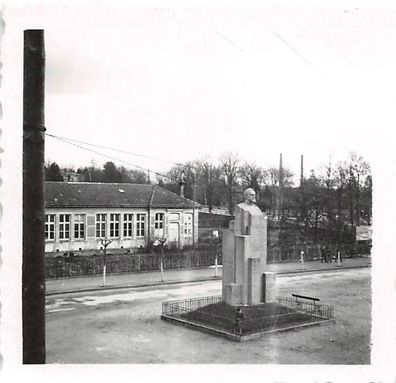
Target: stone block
[
  {"x": 242, "y": 253},
  {"x": 232, "y": 294},
  {"x": 254, "y": 283},
  {"x": 228, "y": 257},
  {"x": 269, "y": 286}
]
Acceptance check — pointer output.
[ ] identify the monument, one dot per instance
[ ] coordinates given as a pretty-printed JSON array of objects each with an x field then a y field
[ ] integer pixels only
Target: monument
[
  {"x": 248, "y": 306},
  {"x": 246, "y": 280}
]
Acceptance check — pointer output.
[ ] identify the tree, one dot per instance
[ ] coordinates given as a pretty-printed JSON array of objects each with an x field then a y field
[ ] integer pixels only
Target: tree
[
  {"x": 252, "y": 176},
  {"x": 229, "y": 165},
  {"x": 110, "y": 173},
  {"x": 209, "y": 177},
  {"x": 132, "y": 176},
  {"x": 315, "y": 202},
  {"x": 359, "y": 171},
  {"x": 91, "y": 173},
  {"x": 53, "y": 172}
]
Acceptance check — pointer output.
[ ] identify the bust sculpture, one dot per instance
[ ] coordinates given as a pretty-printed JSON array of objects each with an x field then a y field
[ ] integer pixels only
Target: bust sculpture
[{"x": 250, "y": 196}]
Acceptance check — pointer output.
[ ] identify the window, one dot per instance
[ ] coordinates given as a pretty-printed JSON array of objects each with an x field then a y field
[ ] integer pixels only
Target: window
[
  {"x": 173, "y": 216},
  {"x": 79, "y": 226},
  {"x": 140, "y": 224},
  {"x": 64, "y": 226},
  {"x": 100, "y": 225},
  {"x": 114, "y": 225},
  {"x": 159, "y": 225},
  {"x": 50, "y": 226},
  {"x": 188, "y": 224},
  {"x": 128, "y": 225}
]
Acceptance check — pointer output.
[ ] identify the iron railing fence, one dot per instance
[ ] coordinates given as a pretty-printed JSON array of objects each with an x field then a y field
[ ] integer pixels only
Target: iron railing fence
[
  {"x": 291, "y": 312},
  {"x": 177, "y": 308},
  {"x": 310, "y": 308},
  {"x": 312, "y": 252},
  {"x": 71, "y": 264}
]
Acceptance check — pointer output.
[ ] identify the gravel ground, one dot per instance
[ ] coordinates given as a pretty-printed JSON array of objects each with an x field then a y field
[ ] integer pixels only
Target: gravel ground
[{"x": 125, "y": 326}]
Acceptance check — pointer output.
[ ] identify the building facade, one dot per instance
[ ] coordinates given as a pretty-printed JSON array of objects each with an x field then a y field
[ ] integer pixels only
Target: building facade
[{"x": 79, "y": 216}]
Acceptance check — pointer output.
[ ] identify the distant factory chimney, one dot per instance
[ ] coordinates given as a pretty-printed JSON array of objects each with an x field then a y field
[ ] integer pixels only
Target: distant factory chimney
[{"x": 302, "y": 171}]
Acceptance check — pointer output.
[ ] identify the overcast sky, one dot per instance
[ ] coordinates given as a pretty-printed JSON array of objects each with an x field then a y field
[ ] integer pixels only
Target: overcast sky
[{"x": 179, "y": 84}]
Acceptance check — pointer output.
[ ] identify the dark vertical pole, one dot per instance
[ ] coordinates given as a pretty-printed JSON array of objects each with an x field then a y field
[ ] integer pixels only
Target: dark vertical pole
[
  {"x": 193, "y": 217},
  {"x": 280, "y": 196},
  {"x": 33, "y": 282},
  {"x": 302, "y": 171}
]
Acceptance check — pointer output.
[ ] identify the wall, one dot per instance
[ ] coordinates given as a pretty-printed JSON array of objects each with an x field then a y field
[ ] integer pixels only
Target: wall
[{"x": 92, "y": 242}]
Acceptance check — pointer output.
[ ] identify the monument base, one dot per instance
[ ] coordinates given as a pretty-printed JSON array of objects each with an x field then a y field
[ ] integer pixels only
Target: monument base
[{"x": 220, "y": 318}]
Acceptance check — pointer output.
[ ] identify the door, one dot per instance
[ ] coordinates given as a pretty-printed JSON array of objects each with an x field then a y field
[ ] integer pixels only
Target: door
[{"x": 174, "y": 233}]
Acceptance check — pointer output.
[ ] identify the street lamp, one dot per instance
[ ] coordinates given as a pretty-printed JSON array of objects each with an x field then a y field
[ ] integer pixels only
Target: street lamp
[
  {"x": 105, "y": 242},
  {"x": 162, "y": 242},
  {"x": 216, "y": 239}
]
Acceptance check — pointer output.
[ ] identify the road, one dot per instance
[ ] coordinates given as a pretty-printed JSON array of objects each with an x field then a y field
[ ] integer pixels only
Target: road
[{"x": 123, "y": 326}]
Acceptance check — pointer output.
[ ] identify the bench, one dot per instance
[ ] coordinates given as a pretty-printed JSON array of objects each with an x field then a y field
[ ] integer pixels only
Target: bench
[{"x": 305, "y": 297}]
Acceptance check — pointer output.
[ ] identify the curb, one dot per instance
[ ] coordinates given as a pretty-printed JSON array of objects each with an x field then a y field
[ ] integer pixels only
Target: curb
[
  {"x": 174, "y": 282},
  {"x": 340, "y": 268},
  {"x": 119, "y": 287}
]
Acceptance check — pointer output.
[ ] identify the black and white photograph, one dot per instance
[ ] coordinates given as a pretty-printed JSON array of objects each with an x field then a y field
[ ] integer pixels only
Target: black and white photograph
[{"x": 198, "y": 190}]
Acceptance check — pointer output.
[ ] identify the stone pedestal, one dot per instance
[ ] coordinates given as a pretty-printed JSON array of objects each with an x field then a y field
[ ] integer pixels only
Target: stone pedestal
[
  {"x": 268, "y": 280},
  {"x": 245, "y": 258}
]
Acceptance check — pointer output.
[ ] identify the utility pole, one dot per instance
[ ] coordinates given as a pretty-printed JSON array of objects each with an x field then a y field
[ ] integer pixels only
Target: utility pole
[
  {"x": 303, "y": 200},
  {"x": 33, "y": 277},
  {"x": 302, "y": 171},
  {"x": 193, "y": 217},
  {"x": 280, "y": 191}
]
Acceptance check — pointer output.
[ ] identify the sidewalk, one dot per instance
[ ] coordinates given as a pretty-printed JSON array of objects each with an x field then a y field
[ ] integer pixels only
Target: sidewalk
[{"x": 92, "y": 283}]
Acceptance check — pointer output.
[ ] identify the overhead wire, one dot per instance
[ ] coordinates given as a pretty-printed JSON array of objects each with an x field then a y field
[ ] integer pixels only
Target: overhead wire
[
  {"x": 116, "y": 150},
  {"x": 107, "y": 156}
]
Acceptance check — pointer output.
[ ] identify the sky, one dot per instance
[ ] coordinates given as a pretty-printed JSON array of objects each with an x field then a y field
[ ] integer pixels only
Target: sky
[{"x": 181, "y": 84}]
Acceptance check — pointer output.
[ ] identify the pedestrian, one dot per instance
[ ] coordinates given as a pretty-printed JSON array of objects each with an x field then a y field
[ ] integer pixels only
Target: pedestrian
[
  {"x": 323, "y": 254},
  {"x": 239, "y": 316},
  {"x": 339, "y": 254}
]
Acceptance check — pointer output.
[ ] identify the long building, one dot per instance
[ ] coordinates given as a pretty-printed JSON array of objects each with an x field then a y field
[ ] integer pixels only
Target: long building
[{"x": 80, "y": 215}]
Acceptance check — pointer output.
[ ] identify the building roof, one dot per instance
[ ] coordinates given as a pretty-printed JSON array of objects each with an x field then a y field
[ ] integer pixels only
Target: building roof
[{"x": 92, "y": 194}]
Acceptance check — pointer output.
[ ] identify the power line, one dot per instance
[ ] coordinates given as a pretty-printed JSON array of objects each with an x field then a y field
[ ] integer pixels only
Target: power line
[
  {"x": 65, "y": 139},
  {"x": 107, "y": 156},
  {"x": 294, "y": 50}
]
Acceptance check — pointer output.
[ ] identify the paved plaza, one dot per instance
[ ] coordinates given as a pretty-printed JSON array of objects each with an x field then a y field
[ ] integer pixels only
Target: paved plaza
[{"x": 124, "y": 326}]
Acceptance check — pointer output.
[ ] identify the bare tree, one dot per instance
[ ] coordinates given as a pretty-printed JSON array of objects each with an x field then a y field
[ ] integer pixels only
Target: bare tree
[
  {"x": 252, "y": 176},
  {"x": 209, "y": 175},
  {"x": 358, "y": 171},
  {"x": 229, "y": 164}
]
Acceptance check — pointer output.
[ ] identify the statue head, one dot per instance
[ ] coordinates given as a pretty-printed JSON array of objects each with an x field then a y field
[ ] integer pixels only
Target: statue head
[{"x": 250, "y": 196}]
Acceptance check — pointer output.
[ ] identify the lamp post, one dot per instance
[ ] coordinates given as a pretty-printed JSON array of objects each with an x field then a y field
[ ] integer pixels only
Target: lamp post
[
  {"x": 162, "y": 241},
  {"x": 105, "y": 242},
  {"x": 216, "y": 238}
]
